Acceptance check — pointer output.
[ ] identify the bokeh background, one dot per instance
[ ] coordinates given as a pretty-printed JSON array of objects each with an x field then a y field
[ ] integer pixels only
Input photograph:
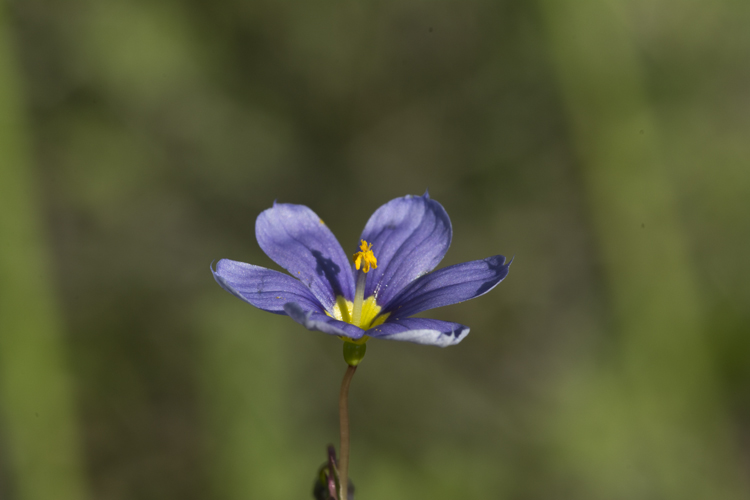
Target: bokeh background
[{"x": 604, "y": 144}]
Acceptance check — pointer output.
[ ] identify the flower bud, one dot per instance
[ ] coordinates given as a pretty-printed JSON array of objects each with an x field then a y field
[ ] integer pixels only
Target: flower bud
[{"x": 353, "y": 353}]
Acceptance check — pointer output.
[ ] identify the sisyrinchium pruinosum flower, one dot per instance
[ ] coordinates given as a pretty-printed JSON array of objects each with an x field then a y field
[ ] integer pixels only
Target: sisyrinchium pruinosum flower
[{"x": 374, "y": 294}]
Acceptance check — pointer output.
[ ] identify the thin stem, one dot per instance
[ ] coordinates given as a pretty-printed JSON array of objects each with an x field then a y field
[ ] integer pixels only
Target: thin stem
[{"x": 344, "y": 426}]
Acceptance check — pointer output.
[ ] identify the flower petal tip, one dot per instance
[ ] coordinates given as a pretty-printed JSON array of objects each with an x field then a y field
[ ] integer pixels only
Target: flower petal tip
[{"x": 223, "y": 282}]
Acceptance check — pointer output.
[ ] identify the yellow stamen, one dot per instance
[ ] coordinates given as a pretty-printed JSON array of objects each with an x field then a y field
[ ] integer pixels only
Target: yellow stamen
[
  {"x": 365, "y": 258},
  {"x": 361, "y": 312}
]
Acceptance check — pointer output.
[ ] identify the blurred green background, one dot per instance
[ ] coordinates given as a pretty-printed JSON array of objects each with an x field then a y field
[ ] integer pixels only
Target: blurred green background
[{"x": 604, "y": 144}]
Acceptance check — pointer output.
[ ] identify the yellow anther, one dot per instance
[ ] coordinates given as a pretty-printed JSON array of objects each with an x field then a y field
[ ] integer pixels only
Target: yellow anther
[{"x": 365, "y": 258}]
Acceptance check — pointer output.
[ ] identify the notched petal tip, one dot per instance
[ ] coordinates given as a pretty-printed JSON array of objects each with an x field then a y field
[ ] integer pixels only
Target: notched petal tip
[
  {"x": 263, "y": 288},
  {"x": 222, "y": 282},
  {"x": 449, "y": 285},
  {"x": 410, "y": 236},
  {"x": 215, "y": 272}
]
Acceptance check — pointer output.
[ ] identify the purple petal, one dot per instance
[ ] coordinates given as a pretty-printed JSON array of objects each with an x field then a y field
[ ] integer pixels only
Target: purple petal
[
  {"x": 421, "y": 331},
  {"x": 264, "y": 288},
  {"x": 409, "y": 237},
  {"x": 313, "y": 320},
  {"x": 298, "y": 240},
  {"x": 449, "y": 285}
]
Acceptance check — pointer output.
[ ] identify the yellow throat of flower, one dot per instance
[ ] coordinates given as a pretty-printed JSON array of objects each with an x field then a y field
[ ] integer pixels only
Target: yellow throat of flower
[
  {"x": 362, "y": 313},
  {"x": 343, "y": 310}
]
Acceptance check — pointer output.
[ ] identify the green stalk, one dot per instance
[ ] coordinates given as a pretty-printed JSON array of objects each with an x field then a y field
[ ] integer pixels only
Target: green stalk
[{"x": 344, "y": 429}]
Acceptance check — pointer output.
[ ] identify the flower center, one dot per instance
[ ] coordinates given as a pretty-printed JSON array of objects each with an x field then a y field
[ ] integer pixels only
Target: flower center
[
  {"x": 362, "y": 313},
  {"x": 343, "y": 310}
]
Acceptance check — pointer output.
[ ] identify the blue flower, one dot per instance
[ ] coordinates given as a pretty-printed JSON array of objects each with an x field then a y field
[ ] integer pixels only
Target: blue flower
[{"x": 373, "y": 295}]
